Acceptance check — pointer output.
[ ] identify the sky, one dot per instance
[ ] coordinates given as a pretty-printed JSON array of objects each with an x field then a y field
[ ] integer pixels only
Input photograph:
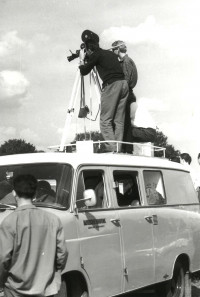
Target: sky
[{"x": 36, "y": 79}]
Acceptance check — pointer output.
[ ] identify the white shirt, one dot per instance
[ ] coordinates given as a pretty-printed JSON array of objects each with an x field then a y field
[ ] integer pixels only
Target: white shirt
[
  {"x": 143, "y": 118},
  {"x": 195, "y": 180}
]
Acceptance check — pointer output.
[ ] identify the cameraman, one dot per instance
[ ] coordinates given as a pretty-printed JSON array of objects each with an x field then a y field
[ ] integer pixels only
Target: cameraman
[{"x": 114, "y": 91}]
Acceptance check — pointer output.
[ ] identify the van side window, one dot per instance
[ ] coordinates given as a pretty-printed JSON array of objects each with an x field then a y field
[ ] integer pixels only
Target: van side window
[
  {"x": 126, "y": 187},
  {"x": 179, "y": 187},
  {"x": 154, "y": 187},
  {"x": 92, "y": 179}
]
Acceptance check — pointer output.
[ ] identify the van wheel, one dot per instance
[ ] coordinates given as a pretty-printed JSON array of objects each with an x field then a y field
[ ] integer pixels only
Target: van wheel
[
  {"x": 76, "y": 290},
  {"x": 175, "y": 287},
  {"x": 68, "y": 291},
  {"x": 85, "y": 294},
  {"x": 78, "y": 294}
]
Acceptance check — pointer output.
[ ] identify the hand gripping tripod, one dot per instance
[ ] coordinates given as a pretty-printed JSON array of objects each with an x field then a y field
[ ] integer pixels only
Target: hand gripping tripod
[{"x": 79, "y": 83}]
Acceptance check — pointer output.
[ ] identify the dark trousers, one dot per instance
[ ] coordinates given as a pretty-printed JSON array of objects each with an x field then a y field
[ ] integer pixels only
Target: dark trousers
[
  {"x": 113, "y": 105},
  {"x": 143, "y": 134},
  {"x": 127, "y": 124}
]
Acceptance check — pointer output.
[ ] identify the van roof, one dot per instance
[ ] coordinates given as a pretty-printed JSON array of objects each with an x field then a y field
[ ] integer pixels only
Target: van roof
[{"x": 76, "y": 159}]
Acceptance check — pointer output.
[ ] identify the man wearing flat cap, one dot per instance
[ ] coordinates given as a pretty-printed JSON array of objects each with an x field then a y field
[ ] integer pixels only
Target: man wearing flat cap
[{"x": 131, "y": 76}]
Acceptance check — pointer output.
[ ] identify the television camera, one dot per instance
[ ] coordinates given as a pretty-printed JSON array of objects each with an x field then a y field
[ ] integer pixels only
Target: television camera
[{"x": 77, "y": 53}]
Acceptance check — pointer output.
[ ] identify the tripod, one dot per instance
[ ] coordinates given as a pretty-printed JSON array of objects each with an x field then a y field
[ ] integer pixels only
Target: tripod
[{"x": 79, "y": 83}]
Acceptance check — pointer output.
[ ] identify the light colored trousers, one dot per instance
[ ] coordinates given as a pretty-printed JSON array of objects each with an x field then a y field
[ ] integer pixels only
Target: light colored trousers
[{"x": 113, "y": 105}]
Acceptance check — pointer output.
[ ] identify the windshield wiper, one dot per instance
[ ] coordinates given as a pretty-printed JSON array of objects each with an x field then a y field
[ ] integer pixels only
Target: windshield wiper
[
  {"x": 8, "y": 205},
  {"x": 49, "y": 205}
]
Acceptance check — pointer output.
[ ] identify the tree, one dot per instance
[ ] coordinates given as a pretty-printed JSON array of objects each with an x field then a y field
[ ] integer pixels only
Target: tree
[
  {"x": 161, "y": 141},
  {"x": 16, "y": 146},
  {"x": 94, "y": 135}
]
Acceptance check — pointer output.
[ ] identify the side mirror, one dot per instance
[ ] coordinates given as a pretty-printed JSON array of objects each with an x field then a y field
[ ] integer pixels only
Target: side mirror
[{"x": 90, "y": 198}]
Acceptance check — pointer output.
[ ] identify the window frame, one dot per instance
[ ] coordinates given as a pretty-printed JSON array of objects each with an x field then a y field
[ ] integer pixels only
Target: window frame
[
  {"x": 99, "y": 168},
  {"x": 163, "y": 185},
  {"x": 127, "y": 169}
]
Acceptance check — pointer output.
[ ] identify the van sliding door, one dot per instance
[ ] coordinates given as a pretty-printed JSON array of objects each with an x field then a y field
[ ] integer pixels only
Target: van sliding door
[{"x": 136, "y": 229}]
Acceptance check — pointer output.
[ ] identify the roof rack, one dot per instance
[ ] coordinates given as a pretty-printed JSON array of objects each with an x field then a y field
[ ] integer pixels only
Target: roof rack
[{"x": 89, "y": 146}]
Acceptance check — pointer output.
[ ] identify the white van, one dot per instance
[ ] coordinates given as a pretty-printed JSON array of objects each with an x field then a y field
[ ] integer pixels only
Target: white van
[{"x": 129, "y": 221}]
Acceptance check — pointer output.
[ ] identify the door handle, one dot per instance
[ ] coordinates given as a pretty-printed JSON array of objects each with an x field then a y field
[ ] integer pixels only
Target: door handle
[
  {"x": 155, "y": 219},
  {"x": 152, "y": 219},
  {"x": 149, "y": 219},
  {"x": 115, "y": 221}
]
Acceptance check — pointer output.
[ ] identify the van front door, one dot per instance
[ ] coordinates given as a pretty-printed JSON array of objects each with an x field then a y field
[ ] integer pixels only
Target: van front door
[
  {"x": 168, "y": 193},
  {"x": 98, "y": 233},
  {"x": 136, "y": 229}
]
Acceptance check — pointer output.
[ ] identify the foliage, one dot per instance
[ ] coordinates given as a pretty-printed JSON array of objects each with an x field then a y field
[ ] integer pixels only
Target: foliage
[
  {"x": 161, "y": 140},
  {"x": 94, "y": 135},
  {"x": 16, "y": 146}
]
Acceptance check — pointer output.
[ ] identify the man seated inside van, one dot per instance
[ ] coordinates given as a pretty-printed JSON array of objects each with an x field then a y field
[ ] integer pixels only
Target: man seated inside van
[
  {"x": 92, "y": 180},
  {"x": 5, "y": 188},
  {"x": 126, "y": 196},
  {"x": 44, "y": 192},
  {"x": 153, "y": 196}
]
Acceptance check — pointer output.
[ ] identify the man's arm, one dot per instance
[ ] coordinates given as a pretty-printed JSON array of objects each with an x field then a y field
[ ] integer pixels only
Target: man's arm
[
  {"x": 130, "y": 71},
  {"x": 92, "y": 61},
  {"x": 6, "y": 248},
  {"x": 61, "y": 250}
]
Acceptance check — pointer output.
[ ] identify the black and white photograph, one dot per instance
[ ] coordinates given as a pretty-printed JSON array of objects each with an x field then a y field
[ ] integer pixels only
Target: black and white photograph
[{"x": 99, "y": 148}]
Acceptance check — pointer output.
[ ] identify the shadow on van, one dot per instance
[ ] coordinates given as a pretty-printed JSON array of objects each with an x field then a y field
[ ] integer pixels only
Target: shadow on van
[{"x": 149, "y": 292}]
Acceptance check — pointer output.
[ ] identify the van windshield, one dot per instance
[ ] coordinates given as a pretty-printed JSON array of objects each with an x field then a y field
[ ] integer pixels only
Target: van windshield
[{"x": 54, "y": 183}]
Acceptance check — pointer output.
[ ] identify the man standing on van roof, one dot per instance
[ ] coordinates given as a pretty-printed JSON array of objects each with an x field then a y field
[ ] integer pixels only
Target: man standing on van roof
[
  {"x": 32, "y": 246},
  {"x": 115, "y": 89},
  {"x": 131, "y": 76}
]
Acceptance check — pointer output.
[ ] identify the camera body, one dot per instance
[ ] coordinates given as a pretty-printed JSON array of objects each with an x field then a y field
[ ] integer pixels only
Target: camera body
[
  {"x": 76, "y": 54},
  {"x": 87, "y": 36}
]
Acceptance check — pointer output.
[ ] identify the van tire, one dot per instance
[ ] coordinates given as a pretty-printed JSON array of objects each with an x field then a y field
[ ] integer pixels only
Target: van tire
[
  {"x": 68, "y": 291},
  {"x": 78, "y": 293},
  {"x": 176, "y": 286},
  {"x": 85, "y": 294}
]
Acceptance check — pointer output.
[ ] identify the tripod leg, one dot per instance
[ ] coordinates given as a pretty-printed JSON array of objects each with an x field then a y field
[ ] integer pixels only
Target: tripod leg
[
  {"x": 70, "y": 111},
  {"x": 74, "y": 90},
  {"x": 97, "y": 85}
]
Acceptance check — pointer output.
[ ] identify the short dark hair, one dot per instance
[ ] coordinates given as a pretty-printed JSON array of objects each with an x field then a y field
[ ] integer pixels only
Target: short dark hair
[
  {"x": 25, "y": 186},
  {"x": 186, "y": 157},
  {"x": 198, "y": 156}
]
